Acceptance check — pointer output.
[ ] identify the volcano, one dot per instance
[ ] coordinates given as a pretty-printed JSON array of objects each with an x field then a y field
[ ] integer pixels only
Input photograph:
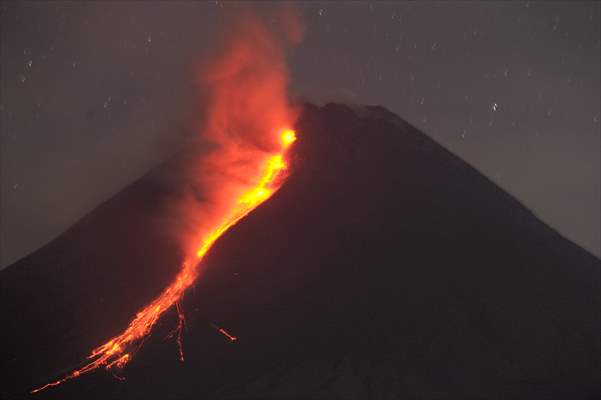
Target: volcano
[{"x": 384, "y": 268}]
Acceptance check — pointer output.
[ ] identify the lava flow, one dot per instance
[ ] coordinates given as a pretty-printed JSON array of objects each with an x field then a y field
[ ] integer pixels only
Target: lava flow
[{"x": 118, "y": 351}]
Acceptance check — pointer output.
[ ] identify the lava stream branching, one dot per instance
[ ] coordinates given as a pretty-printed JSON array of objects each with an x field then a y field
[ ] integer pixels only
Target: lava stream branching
[{"x": 118, "y": 351}]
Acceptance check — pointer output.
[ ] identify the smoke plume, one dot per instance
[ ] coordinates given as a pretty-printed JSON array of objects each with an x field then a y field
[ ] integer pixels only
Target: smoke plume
[{"x": 246, "y": 103}]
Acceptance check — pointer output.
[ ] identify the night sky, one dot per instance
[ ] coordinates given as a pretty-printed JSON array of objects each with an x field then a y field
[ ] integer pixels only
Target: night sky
[{"x": 94, "y": 95}]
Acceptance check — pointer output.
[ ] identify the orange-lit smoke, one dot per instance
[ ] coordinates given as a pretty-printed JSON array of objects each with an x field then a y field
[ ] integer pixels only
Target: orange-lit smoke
[
  {"x": 247, "y": 109},
  {"x": 249, "y": 119}
]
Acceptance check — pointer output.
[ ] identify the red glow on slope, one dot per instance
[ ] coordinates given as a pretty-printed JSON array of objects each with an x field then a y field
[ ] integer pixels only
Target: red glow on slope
[
  {"x": 225, "y": 333},
  {"x": 114, "y": 353},
  {"x": 248, "y": 118}
]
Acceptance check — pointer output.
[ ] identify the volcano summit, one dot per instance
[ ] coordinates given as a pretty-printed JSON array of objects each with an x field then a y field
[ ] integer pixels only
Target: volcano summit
[{"x": 385, "y": 267}]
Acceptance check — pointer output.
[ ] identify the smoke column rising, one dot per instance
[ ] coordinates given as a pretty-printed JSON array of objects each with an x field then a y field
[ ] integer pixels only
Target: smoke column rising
[{"x": 244, "y": 89}]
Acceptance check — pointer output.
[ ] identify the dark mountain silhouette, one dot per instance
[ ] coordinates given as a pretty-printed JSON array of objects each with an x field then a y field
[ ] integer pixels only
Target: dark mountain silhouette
[{"x": 385, "y": 268}]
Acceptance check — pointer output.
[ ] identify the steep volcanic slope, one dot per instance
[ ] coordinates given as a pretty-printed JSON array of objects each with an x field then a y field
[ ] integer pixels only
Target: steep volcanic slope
[
  {"x": 384, "y": 268},
  {"x": 69, "y": 296}
]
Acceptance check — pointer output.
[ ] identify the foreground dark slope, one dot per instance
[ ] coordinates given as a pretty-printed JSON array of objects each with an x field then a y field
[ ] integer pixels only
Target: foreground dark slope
[{"x": 385, "y": 268}]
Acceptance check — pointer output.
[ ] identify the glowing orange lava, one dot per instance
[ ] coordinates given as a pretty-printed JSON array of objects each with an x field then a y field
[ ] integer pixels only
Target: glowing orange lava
[
  {"x": 288, "y": 137},
  {"x": 118, "y": 351},
  {"x": 225, "y": 333}
]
